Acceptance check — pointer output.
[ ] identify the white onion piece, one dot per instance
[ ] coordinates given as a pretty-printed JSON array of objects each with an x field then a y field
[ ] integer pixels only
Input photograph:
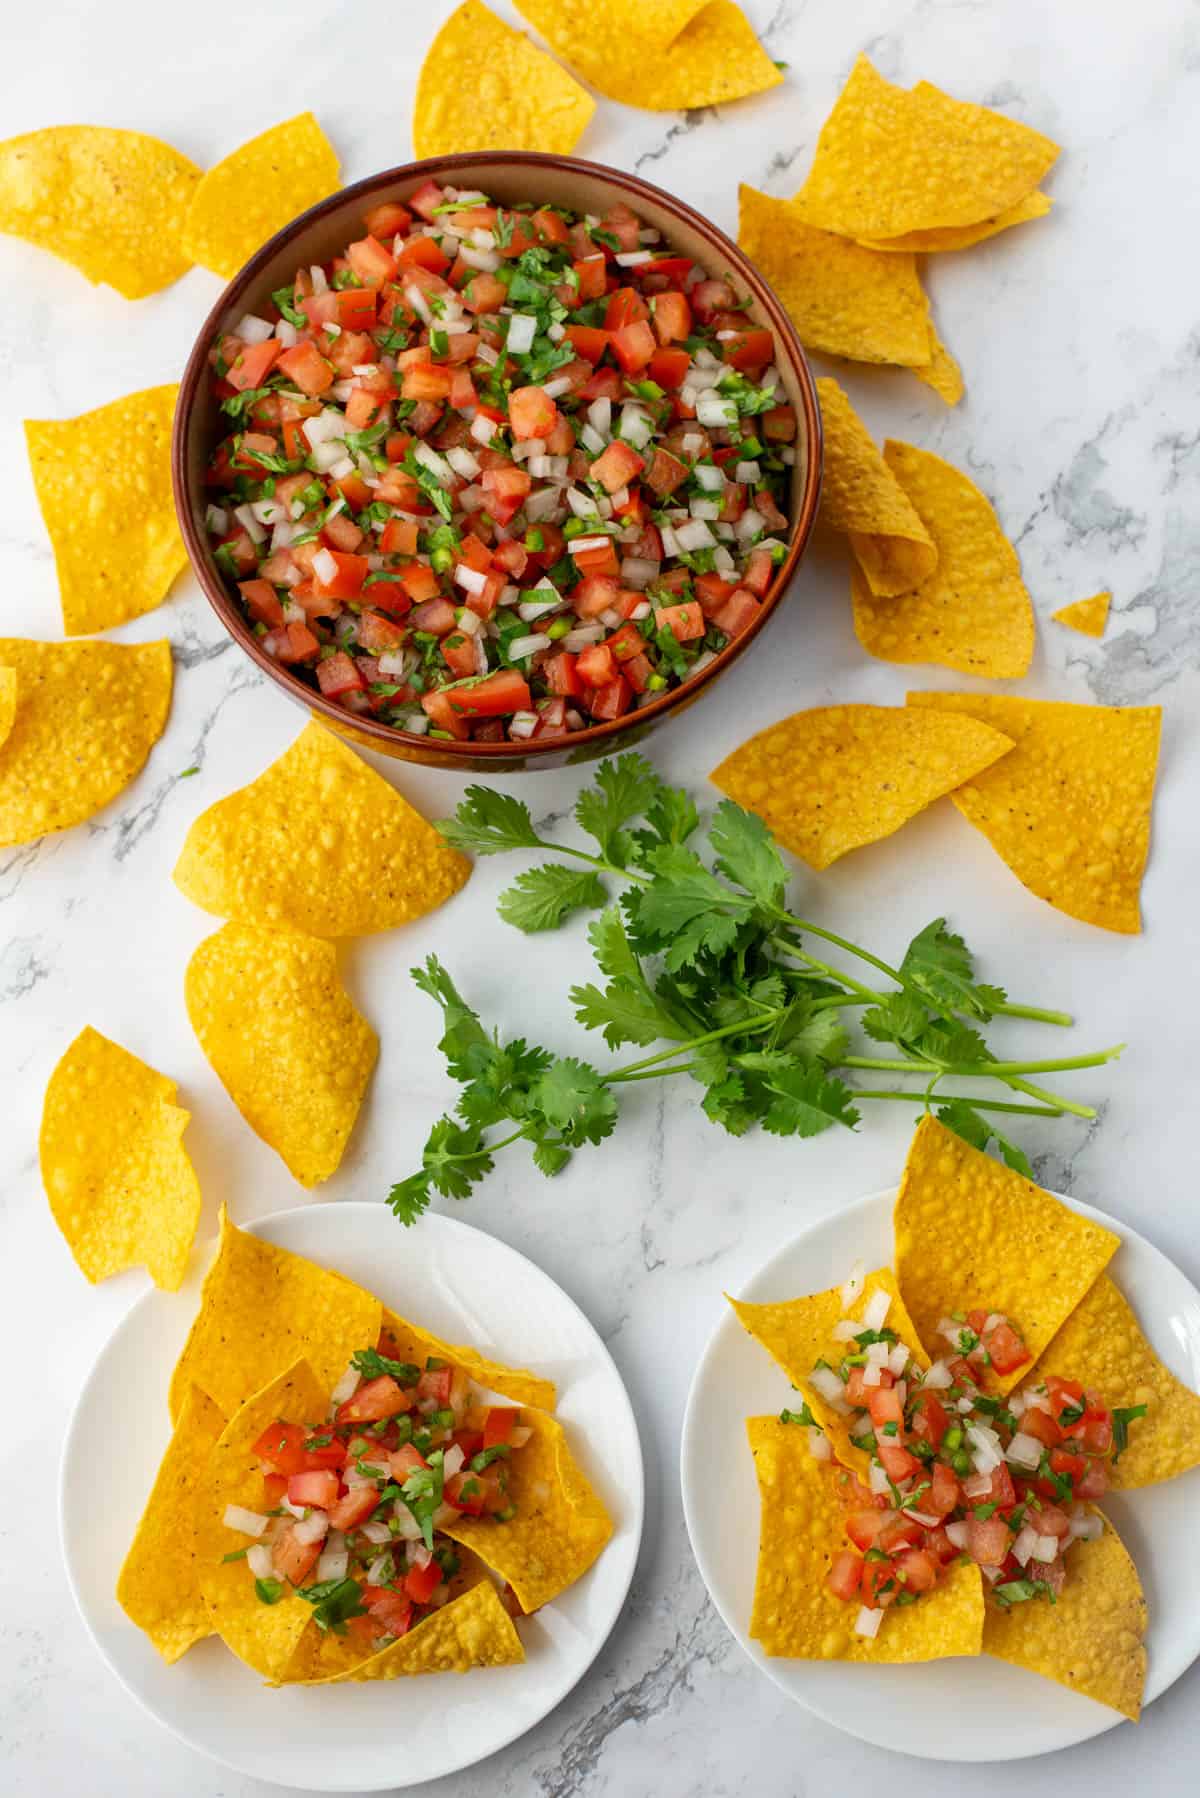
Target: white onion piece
[
  {"x": 877, "y": 1479},
  {"x": 249, "y": 523},
  {"x": 824, "y": 1381},
  {"x": 333, "y": 1564},
  {"x": 406, "y": 1524},
  {"x": 555, "y": 389},
  {"x": 876, "y": 1309},
  {"x": 923, "y": 1518},
  {"x": 898, "y": 1358},
  {"x": 818, "y": 1445},
  {"x": 986, "y": 1446},
  {"x": 452, "y": 1461},
  {"x": 469, "y": 623},
  {"x": 534, "y": 609},
  {"x": 600, "y": 416},
  {"x": 937, "y": 1377},
  {"x": 709, "y": 477},
  {"x": 486, "y": 261},
  {"x": 324, "y": 566},
  {"x": 520, "y": 647},
  {"x": 579, "y": 546},
  {"x": 468, "y": 578},
  {"x": 877, "y": 1354},
  {"x": 977, "y": 1486},
  {"x": 574, "y": 641},
  {"x": 591, "y": 440},
  {"x": 251, "y": 1523},
  {"x": 522, "y": 329},
  {"x": 872, "y": 1374},
  {"x": 463, "y": 463},
  {"x": 523, "y": 724},
  {"x": 1023, "y": 1547},
  {"x": 858, "y": 1273},
  {"x": 958, "y": 1534},
  {"x": 1086, "y": 1529},
  {"x": 638, "y": 571},
  {"x": 1046, "y": 1549},
  {"x": 715, "y": 411},
  {"x": 1024, "y": 1451},
  {"x": 750, "y": 524},
  {"x": 845, "y": 1330},
  {"x": 217, "y": 520},
  {"x": 483, "y": 428},
  {"x": 747, "y": 473},
  {"x": 252, "y": 329},
  {"x": 261, "y": 1561},
  {"x": 867, "y": 1622},
  {"x": 532, "y": 446},
  {"x": 694, "y": 535},
  {"x": 709, "y": 509},
  {"x": 313, "y": 1528}
]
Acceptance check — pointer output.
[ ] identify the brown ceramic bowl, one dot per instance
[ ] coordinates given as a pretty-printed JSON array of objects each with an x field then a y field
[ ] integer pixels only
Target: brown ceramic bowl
[{"x": 508, "y": 177}]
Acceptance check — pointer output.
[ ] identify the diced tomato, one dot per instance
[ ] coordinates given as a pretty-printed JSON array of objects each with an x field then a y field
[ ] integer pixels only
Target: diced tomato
[
  {"x": 587, "y": 341},
  {"x": 549, "y": 225},
  {"x": 253, "y": 363},
  {"x": 863, "y": 1527},
  {"x": 339, "y": 674},
  {"x": 929, "y": 1420},
  {"x": 354, "y": 490},
  {"x": 857, "y": 1390},
  {"x": 686, "y": 621},
  {"x": 1092, "y": 1483},
  {"x": 381, "y": 1397},
  {"x": 426, "y": 200},
  {"x": 845, "y": 1574},
  {"x": 665, "y": 473},
  {"x": 561, "y": 676},
  {"x": 319, "y": 1488},
  {"x": 390, "y": 1612},
  {"x": 673, "y": 268},
  {"x": 613, "y": 699},
  {"x": 898, "y": 1532},
  {"x": 347, "y": 580},
  {"x": 1064, "y": 1395},
  {"x": 939, "y": 1545},
  {"x": 885, "y": 1406},
  {"x": 399, "y": 537},
  {"x": 1041, "y": 1426},
  {"x": 625, "y": 307},
  {"x": 1094, "y": 1434},
  {"x": 420, "y": 1583},
  {"x": 281, "y": 1446},
  {"x": 484, "y": 294},
  {"x": 590, "y": 279},
  {"x": 1070, "y": 1466},
  {"x": 502, "y": 1420},
  {"x": 595, "y": 665},
  {"x": 466, "y": 1492},
  {"x": 944, "y": 1493},
  {"x": 669, "y": 368},
  {"x": 1051, "y": 1520},
  {"x": 387, "y": 219},
  {"x": 759, "y": 570},
  {"x": 987, "y": 1542},
  {"x": 512, "y": 557},
  {"x": 505, "y": 691},
  {"x": 880, "y": 1587},
  {"x": 739, "y": 610},
  {"x": 1002, "y": 1491},
  {"x": 349, "y": 308},
  {"x": 898, "y": 1463},
  {"x": 295, "y": 643},
  {"x": 426, "y": 381},
  {"x": 638, "y": 671},
  {"x": 405, "y": 1460},
  {"x": 531, "y": 413},
  {"x": 749, "y": 350},
  {"x": 917, "y": 1570},
  {"x": 433, "y": 615},
  {"x": 262, "y": 602},
  {"x": 422, "y": 252},
  {"x": 627, "y": 643},
  {"x": 378, "y": 635},
  {"x": 274, "y": 1490},
  {"x": 633, "y": 346},
  {"x": 672, "y": 318},
  {"x": 617, "y": 465},
  {"x": 371, "y": 262},
  {"x": 341, "y": 532},
  {"x": 294, "y": 1560},
  {"x": 779, "y": 424},
  {"x": 1006, "y": 1348},
  {"x": 710, "y": 297}
]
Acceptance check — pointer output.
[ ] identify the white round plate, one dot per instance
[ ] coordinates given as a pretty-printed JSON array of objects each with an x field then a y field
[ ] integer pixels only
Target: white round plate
[
  {"x": 462, "y": 1285},
  {"x": 961, "y": 1709}
]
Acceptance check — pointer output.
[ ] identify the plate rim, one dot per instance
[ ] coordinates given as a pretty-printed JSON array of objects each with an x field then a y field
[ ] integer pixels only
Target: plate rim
[
  {"x": 636, "y": 1499},
  {"x": 691, "y": 1426}
]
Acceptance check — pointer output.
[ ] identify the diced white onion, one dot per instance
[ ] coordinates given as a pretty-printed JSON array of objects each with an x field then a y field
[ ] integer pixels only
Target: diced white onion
[
  {"x": 486, "y": 261},
  {"x": 324, "y": 427},
  {"x": 1085, "y": 1528},
  {"x": 347, "y": 1386},
  {"x": 287, "y": 334},
  {"x": 898, "y": 1358},
  {"x": 978, "y": 1485},
  {"x": 582, "y": 504},
  {"x": 316, "y": 275},
  {"x": 670, "y": 541},
  {"x": 429, "y": 459},
  {"x": 958, "y": 1534},
  {"x": 261, "y": 1561},
  {"x": 381, "y": 1568},
  {"x": 845, "y": 1330},
  {"x": 534, "y": 609},
  {"x": 333, "y": 1564},
  {"x": 522, "y": 724},
  {"x": 709, "y": 477},
  {"x": 520, "y": 647},
  {"x": 600, "y": 416},
  {"x": 343, "y": 466},
  {"x": 406, "y": 1525},
  {"x": 1037, "y": 1399},
  {"x": 638, "y": 571},
  {"x": 291, "y": 1509},
  {"x": 877, "y": 1354},
  {"x": 582, "y": 545},
  {"x": 378, "y": 1533},
  {"x": 923, "y": 1518},
  {"x": 824, "y": 1381},
  {"x": 522, "y": 329},
  {"x": 324, "y": 566},
  {"x": 469, "y": 622},
  {"x": 705, "y": 508},
  {"x": 636, "y": 426},
  {"x": 483, "y": 428},
  {"x": 871, "y": 1374},
  {"x": 555, "y": 389},
  {"x": 416, "y": 723},
  {"x": 591, "y": 440},
  {"x": 877, "y": 1479},
  {"x": 1024, "y": 1451},
  {"x": 986, "y": 1446},
  {"x": 419, "y": 304},
  {"x": 452, "y": 1461},
  {"x": 252, "y": 329},
  {"x": 694, "y": 535},
  {"x": 747, "y": 472},
  {"x": 715, "y": 411},
  {"x": 751, "y": 524},
  {"x": 858, "y": 1273},
  {"x": 251, "y": 1523},
  {"x": 937, "y": 1377},
  {"x": 950, "y": 1329},
  {"x": 249, "y": 523},
  {"x": 875, "y": 1311},
  {"x": 1046, "y": 1549},
  {"x": 542, "y": 504},
  {"x": 1025, "y": 1544},
  {"x": 633, "y": 258},
  {"x": 313, "y": 1528},
  {"x": 217, "y": 520},
  {"x": 579, "y": 639},
  {"x": 818, "y": 1445},
  {"x": 867, "y": 1622},
  {"x": 463, "y": 463}
]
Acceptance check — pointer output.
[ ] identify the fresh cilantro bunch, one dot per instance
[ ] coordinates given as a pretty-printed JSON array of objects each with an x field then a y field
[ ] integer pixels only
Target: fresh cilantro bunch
[{"x": 701, "y": 954}]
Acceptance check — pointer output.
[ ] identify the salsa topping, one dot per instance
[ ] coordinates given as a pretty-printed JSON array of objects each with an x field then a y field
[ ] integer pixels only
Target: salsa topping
[
  {"x": 356, "y": 1503},
  {"x": 953, "y": 1470},
  {"x": 499, "y": 473}
]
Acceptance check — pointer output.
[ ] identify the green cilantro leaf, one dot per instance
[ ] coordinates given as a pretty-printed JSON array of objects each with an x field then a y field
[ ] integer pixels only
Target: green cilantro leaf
[
  {"x": 334, "y": 1602},
  {"x": 938, "y": 964},
  {"x": 489, "y": 823},
  {"x": 540, "y": 898}
]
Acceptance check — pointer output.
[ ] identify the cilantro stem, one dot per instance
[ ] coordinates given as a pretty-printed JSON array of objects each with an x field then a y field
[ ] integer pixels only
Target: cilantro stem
[
  {"x": 1035, "y": 1012},
  {"x": 878, "y": 1092},
  {"x": 994, "y": 1069},
  {"x": 690, "y": 1043},
  {"x": 594, "y": 861},
  {"x": 1055, "y": 1099}
]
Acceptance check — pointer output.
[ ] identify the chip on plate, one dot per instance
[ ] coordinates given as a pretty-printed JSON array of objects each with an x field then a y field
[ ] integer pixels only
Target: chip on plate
[
  {"x": 891, "y": 160},
  {"x": 265, "y": 1636},
  {"x": 8, "y": 701},
  {"x": 158, "y": 1588},
  {"x": 1088, "y": 616},
  {"x": 319, "y": 843},
  {"x": 285, "y": 1039},
  {"x": 410, "y": 1342},
  {"x": 973, "y": 612},
  {"x": 1101, "y": 1344},
  {"x": 315, "y": 1314},
  {"x": 257, "y": 190},
  {"x": 961, "y": 237},
  {"x": 117, "y": 1176},
  {"x": 109, "y": 202},
  {"x": 797, "y": 1333},
  {"x": 970, "y": 1231},
  {"x": 561, "y": 1523},
  {"x": 862, "y": 497},
  {"x": 800, "y": 1532},
  {"x": 472, "y": 1629},
  {"x": 520, "y": 98},
  {"x": 1069, "y": 809},
  {"x": 87, "y": 716},
  {"x": 1090, "y": 1639},
  {"x": 666, "y": 58},
  {"x": 829, "y": 780},
  {"x": 103, "y": 482}
]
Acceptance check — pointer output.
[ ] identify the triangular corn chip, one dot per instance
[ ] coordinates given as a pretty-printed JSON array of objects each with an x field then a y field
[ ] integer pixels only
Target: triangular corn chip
[
  {"x": 666, "y": 58},
  {"x": 862, "y": 497},
  {"x": 520, "y": 98},
  {"x": 258, "y": 189},
  {"x": 1088, "y": 616}
]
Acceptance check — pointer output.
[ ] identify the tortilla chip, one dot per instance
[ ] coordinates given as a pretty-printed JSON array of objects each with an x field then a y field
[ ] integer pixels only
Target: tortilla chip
[
  {"x": 319, "y": 843},
  {"x": 834, "y": 778},
  {"x": 285, "y": 1039},
  {"x": 891, "y": 160},
  {"x": 262, "y": 1308},
  {"x": 109, "y": 202},
  {"x": 842, "y": 299},
  {"x": 862, "y": 497},
  {"x": 961, "y": 237},
  {"x": 973, "y": 612},
  {"x": 971, "y": 1233},
  {"x": 103, "y": 482},
  {"x": 797, "y": 1333},
  {"x": 257, "y": 190},
  {"x": 117, "y": 1176},
  {"x": 560, "y": 1527},
  {"x": 801, "y": 1530},
  {"x": 1090, "y": 1640},
  {"x": 412, "y": 1343},
  {"x": 1101, "y": 1344},
  {"x": 668, "y": 58},
  {"x": 158, "y": 1589},
  {"x": 942, "y": 373},
  {"x": 265, "y": 1636},
  {"x": 520, "y": 98},
  {"x": 1069, "y": 809},
  {"x": 8, "y": 702},
  {"x": 1088, "y": 616},
  {"x": 89, "y": 715}
]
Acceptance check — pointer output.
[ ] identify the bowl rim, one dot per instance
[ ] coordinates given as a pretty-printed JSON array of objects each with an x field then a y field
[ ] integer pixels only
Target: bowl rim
[{"x": 388, "y": 738}]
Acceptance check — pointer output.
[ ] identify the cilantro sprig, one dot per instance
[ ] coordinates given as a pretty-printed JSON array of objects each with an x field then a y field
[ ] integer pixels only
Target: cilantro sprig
[{"x": 700, "y": 953}]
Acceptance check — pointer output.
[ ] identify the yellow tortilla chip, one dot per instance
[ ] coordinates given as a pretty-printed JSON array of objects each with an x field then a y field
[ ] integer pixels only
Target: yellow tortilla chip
[
  {"x": 800, "y": 1531},
  {"x": 561, "y": 1524},
  {"x": 973, "y": 612},
  {"x": 1089, "y": 1641},
  {"x": 8, "y": 702},
  {"x": 158, "y": 1588},
  {"x": 87, "y": 718},
  {"x": 117, "y": 1176},
  {"x": 862, "y": 497},
  {"x": 961, "y": 237},
  {"x": 319, "y": 843},
  {"x": 829, "y": 780},
  {"x": 797, "y": 1333},
  {"x": 842, "y": 299},
  {"x": 412, "y": 1343},
  {"x": 520, "y": 98},
  {"x": 1101, "y": 1344},
  {"x": 265, "y": 1636},
  {"x": 109, "y": 202},
  {"x": 285, "y": 1039},
  {"x": 1069, "y": 809},
  {"x": 666, "y": 58},
  {"x": 972, "y": 1233},
  {"x": 1088, "y": 616},
  {"x": 257, "y": 190},
  {"x": 103, "y": 483},
  {"x": 942, "y": 373},
  {"x": 891, "y": 160},
  {"x": 262, "y": 1308}
]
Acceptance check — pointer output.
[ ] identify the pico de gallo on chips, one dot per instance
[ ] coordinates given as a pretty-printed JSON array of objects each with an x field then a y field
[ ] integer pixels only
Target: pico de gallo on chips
[
  {"x": 954, "y": 1470},
  {"x": 361, "y": 1495},
  {"x": 499, "y": 473}
]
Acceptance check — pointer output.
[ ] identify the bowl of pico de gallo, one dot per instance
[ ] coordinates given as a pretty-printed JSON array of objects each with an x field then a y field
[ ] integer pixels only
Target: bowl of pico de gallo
[{"x": 497, "y": 461}]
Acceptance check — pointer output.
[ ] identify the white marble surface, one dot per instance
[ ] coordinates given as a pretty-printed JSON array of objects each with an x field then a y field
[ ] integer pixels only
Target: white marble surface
[{"x": 1079, "y": 339}]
